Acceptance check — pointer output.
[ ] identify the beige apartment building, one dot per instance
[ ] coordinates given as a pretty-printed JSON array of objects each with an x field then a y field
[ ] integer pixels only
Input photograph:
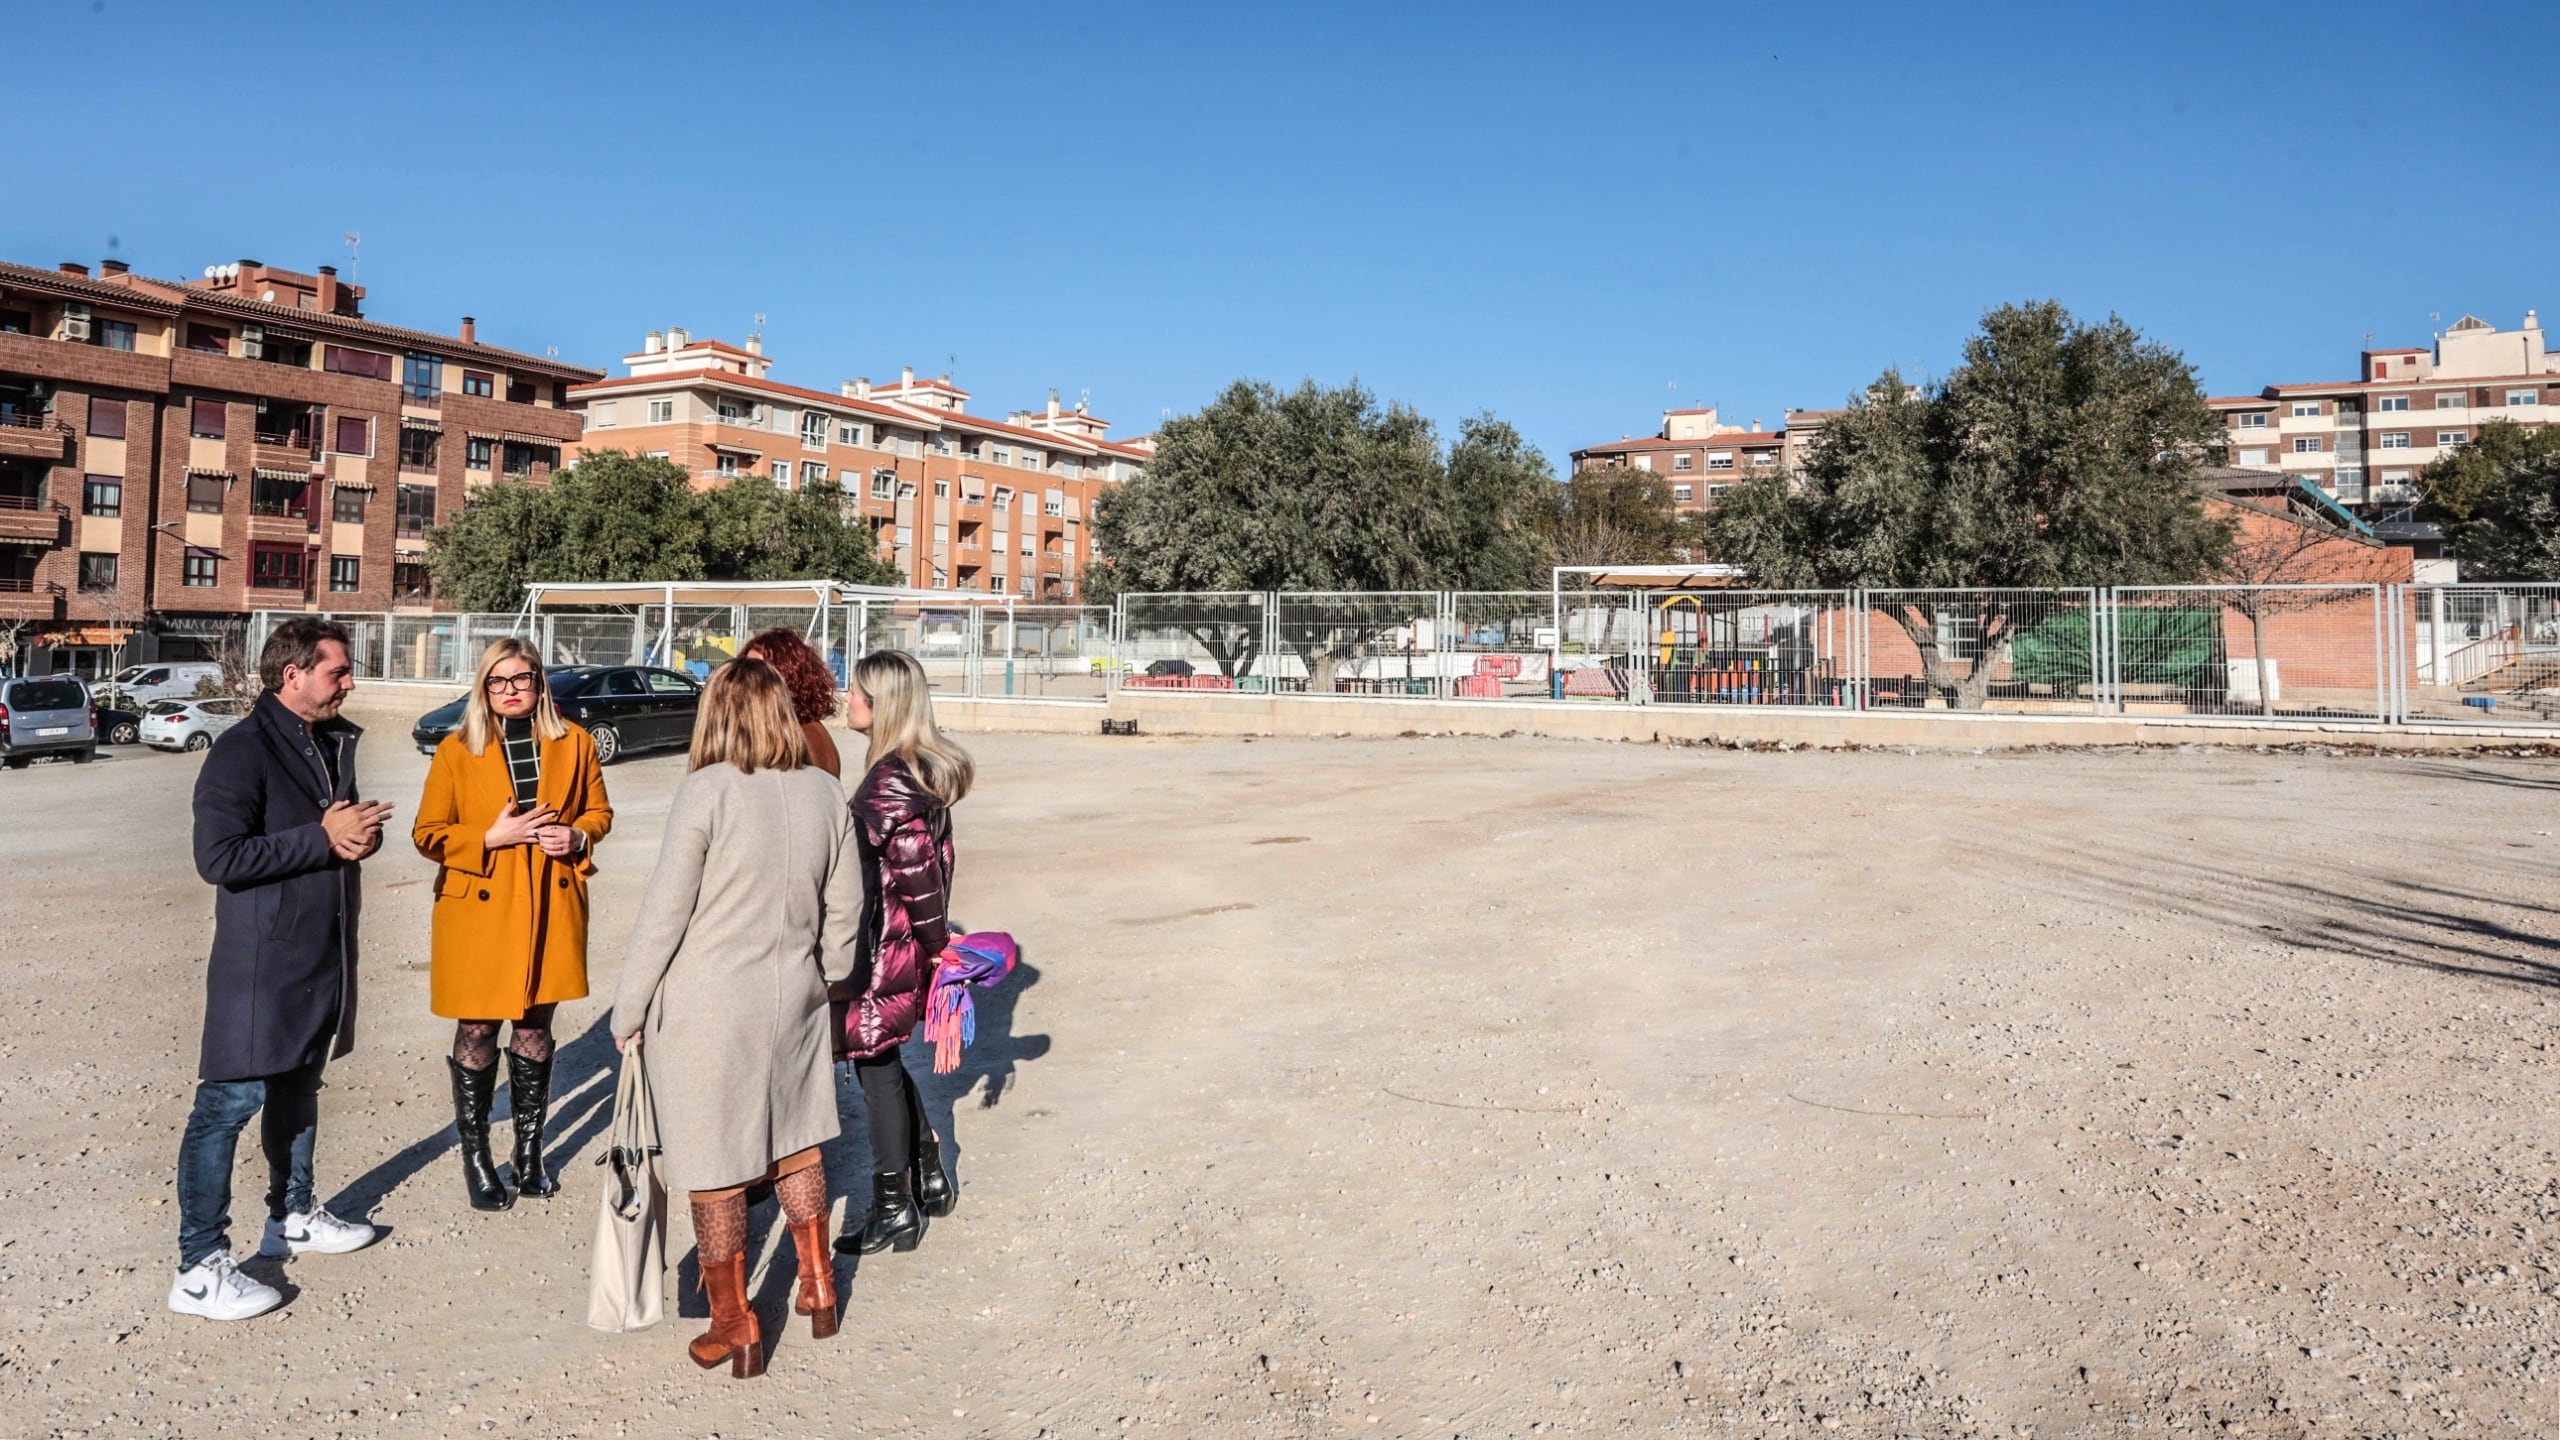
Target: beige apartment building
[
  {"x": 1696, "y": 452},
  {"x": 959, "y": 501},
  {"x": 2365, "y": 440}
]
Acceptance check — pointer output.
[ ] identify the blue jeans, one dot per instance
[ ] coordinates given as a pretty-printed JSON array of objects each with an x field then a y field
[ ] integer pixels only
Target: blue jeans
[{"x": 288, "y": 1107}]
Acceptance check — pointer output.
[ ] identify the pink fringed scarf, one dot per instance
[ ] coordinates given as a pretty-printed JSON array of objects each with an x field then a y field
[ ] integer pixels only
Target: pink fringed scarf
[{"x": 980, "y": 959}]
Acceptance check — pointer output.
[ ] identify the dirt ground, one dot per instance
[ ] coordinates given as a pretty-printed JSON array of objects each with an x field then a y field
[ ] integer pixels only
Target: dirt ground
[{"x": 1449, "y": 1088}]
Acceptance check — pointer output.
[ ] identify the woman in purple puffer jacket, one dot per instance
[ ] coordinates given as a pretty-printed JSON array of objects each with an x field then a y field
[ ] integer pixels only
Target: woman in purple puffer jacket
[{"x": 902, "y": 810}]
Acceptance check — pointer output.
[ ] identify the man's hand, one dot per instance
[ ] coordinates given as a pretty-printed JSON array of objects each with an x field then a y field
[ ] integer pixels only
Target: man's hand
[
  {"x": 557, "y": 841},
  {"x": 355, "y": 829},
  {"x": 515, "y": 829}
]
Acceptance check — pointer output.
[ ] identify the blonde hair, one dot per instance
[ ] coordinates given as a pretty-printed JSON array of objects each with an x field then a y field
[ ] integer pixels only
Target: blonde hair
[
  {"x": 746, "y": 721},
  {"x": 902, "y": 724},
  {"x": 480, "y": 723}
]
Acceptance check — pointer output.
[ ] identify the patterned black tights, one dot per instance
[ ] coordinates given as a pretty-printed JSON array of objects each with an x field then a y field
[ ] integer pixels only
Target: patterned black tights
[{"x": 475, "y": 1042}]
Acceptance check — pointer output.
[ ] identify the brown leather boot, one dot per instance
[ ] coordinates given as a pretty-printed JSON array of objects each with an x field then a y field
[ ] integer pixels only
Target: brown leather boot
[
  {"x": 816, "y": 1297},
  {"x": 734, "y": 1335}
]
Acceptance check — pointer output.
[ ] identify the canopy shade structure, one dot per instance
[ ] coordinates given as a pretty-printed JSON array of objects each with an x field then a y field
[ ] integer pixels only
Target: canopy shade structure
[{"x": 1652, "y": 577}]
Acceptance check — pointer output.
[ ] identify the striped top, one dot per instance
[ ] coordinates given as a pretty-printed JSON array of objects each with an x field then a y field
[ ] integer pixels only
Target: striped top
[{"x": 524, "y": 756}]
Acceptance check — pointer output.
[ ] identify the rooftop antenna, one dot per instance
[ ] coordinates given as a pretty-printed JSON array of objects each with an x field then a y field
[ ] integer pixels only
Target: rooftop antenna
[
  {"x": 355, "y": 267},
  {"x": 759, "y": 332}
]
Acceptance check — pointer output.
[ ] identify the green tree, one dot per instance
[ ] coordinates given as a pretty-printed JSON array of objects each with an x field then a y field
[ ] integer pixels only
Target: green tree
[
  {"x": 503, "y": 538},
  {"x": 2498, "y": 499},
  {"x": 752, "y": 530},
  {"x": 2057, "y": 454},
  {"x": 1613, "y": 515},
  {"x": 625, "y": 517},
  {"x": 1320, "y": 489}
]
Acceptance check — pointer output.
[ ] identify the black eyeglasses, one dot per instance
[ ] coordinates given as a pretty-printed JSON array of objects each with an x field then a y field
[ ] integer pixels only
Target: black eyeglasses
[{"x": 524, "y": 681}]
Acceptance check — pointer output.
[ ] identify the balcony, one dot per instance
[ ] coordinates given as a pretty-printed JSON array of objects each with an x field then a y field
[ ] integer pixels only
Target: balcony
[
  {"x": 283, "y": 449},
  {"x": 25, "y": 516},
  {"x": 33, "y": 435}
]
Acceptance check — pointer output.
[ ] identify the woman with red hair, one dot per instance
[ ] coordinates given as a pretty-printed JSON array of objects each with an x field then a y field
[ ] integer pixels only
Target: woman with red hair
[{"x": 813, "y": 690}]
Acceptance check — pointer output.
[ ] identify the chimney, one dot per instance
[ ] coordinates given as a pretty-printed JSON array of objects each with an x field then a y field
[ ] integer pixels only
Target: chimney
[
  {"x": 1755, "y": 424},
  {"x": 470, "y": 331},
  {"x": 653, "y": 344},
  {"x": 845, "y": 389},
  {"x": 862, "y": 387},
  {"x": 328, "y": 290},
  {"x": 755, "y": 344},
  {"x": 906, "y": 377},
  {"x": 677, "y": 339},
  {"x": 74, "y": 267},
  {"x": 2530, "y": 322},
  {"x": 1053, "y": 402},
  {"x": 118, "y": 267}
]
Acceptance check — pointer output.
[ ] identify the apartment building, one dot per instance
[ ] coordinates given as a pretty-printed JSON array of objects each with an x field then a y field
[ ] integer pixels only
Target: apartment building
[
  {"x": 2364, "y": 440},
  {"x": 959, "y": 501},
  {"x": 1699, "y": 454},
  {"x": 175, "y": 454}
]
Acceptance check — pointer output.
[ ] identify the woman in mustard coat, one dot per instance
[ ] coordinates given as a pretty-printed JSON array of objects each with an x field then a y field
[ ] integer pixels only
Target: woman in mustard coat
[{"x": 513, "y": 808}]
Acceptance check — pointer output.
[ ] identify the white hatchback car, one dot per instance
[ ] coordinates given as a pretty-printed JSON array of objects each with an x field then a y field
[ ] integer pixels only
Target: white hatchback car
[{"x": 190, "y": 724}]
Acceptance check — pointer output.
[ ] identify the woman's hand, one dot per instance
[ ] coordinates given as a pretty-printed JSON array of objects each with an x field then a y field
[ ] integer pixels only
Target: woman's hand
[
  {"x": 517, "y": 829},
  {"x": 627, "y": 1043},
  {"x": 557, "y": 841}
]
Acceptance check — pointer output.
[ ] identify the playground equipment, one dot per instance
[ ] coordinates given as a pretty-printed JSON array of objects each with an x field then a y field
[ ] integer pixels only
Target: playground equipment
[{"x": 1709, "y": 650}]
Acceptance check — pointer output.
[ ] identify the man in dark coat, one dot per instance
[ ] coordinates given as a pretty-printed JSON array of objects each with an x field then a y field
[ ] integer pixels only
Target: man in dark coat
[{"x": 279, "y": 833}]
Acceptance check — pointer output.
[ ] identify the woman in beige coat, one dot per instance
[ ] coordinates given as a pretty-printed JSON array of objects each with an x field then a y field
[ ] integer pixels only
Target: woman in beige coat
[{"x": 755, "y": 905}]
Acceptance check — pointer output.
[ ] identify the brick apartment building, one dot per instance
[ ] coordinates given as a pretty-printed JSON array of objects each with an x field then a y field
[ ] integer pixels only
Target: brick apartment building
[
  {"x": 174, "y": 455},
  {"x": 1696, "y": 452},
  {"x": 2364, "y": 440},
  {"x": 960, "y": 502}
]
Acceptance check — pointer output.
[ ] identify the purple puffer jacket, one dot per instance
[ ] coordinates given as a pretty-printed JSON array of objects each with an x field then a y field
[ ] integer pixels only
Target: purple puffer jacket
[{"x": 906, "y": 870}]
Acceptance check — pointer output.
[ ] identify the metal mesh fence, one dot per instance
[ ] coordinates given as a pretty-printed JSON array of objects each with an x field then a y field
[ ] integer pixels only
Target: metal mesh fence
[
  {"x": 1500, "y": 644},
  {"x": 1599, "y": 636},
  {"x": 1201, "y": 640},
  {"x": 2294, "y": 652},
  {"x": 1997, "y": 650},
  {"x": 1044, "y": 652},
  {"x": 1750, "y": 647},
  {"x": 1385, "y": 643},
  {"x": 2488, "y": 653}
]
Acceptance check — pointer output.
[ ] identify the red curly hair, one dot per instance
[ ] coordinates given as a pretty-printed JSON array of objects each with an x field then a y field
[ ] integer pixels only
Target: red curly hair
[{"x": 813, "y": 690}]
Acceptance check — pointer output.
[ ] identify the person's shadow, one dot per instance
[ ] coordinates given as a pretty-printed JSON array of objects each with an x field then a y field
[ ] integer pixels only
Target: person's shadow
[{"x": 583, "y": 1073}]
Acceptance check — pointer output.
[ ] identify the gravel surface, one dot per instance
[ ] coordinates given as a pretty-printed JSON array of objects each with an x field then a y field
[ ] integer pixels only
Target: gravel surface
[{"x": 1448, "y": 1088}]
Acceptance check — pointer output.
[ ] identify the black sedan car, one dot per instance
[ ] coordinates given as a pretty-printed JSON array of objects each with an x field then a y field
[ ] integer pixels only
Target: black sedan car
[
  {"x": 119, "y": 727},
  {"x": 626, "y": 708}
]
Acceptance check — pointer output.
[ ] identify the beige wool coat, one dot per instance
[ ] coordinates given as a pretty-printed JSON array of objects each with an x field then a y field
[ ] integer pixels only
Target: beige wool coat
[{"x": 755, "y": 905}]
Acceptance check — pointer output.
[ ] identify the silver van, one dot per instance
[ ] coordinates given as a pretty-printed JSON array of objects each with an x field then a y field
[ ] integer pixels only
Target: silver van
[{"x": 46, "y": 715}]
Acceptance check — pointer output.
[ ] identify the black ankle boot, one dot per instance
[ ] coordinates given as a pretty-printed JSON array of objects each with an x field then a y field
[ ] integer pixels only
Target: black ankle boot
[
  {"x": 529, "y": 1095},
  {"x": 934, "y": 1192},
  {"x": 895, "y": 1221},
  {"x": 472, "y": 1091}
]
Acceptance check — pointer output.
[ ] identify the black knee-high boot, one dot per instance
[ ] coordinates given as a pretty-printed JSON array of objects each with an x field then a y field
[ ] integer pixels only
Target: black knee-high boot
[
  {"x": 529, "y": 1095},
  {"x": 472, "y": 1092},
  {"x": 936, "y": 1195}
]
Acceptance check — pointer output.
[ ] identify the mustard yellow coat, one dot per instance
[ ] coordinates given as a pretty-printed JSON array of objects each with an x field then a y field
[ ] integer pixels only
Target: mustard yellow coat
[{"x": 510, "y": 924}]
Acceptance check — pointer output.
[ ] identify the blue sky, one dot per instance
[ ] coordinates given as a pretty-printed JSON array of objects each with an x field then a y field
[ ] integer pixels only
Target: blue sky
[{"x": 1555, "y": 213}]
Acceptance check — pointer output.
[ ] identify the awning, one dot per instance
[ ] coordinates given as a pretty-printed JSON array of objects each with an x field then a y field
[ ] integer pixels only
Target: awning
[
  {"x": 734, "y": 449},
  {"x": 87, "y": 635},
  {"x": 225, "y": 476},
  {"x": 289, "y": 477},
  {"x": 364, "y": 485},
  {"x": 27, "y": 543},
  {"x": 416, "y": 422}
]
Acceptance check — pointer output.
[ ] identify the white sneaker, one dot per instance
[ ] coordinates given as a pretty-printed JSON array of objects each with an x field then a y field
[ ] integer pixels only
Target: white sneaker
[
  {"x": 216, "y": 1290},
  {"x": 316, "y": 1233}
]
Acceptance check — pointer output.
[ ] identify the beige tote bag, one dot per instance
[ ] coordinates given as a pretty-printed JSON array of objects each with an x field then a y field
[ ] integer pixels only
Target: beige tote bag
[{"x": 628, "y": 1289}]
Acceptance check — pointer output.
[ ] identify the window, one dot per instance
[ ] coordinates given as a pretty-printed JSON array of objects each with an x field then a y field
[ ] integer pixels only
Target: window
[
  {"x": 1719, "y": 459},
  {"x": 813, "y": 430},
  {"x": 355, "y": 435},
  {"x": 1684, "y": 461},
  {"x": 2306, "y": 407},
  {"x": 662, "y": 412},
  {"x": 113, "y": 334},
  {"x": 1681, "y": 494},
  {"x": 520, "y": 457},
  {"x": 1032, "y": 459},
  {"x": 653, "y": 454},
  {"x": 2392, "y": 402},
  {"x": 906, "y": 535},
  {"x": 475, "y": 453},
  {"x": 2524, "y": 397},
  {"x": 662, "y": 683},
  {"x": 106, "y": 418},
  {"x": 211, "y": 339},
  {"x": 1716, "y": 493},
  {"x": 1000, "y": 456},
  {"x": 600, "y": 415},
  {"x": 343, "y": 361},
  {"x": 782, "y": 473},
  {"x": 200, "y": 569},
  {"x": 1054, "y": 506},
  {"x": 102, "y": 496},
  {"x": 884, "y": 485},
  {"x": 2254, "y": 420},
  {"x": 271, "y": 493},
  {"x": 2452, "y": 438},
  {"x": 2306, "y": 445},
  {"x": 2449, "y": 400},
  {"x": 205, "y": 418},
  {"x": 422, "y": 379},
  {"x": 995, "y": 584},
  {"x": 416, "y": 510},
  {"x": 1004, "y": 498},
  {"x": 1644, "y": 462},
  {"x": 417, "y": 448},
  {"x": 2259, "y": 456},
  {"x": 906, "y": 489},
  {"x": 343, "y": 570},
  {"x": 941, "y": 489},
  {"x": 2393, "y": 440},
  {"x": 480, "y": 383},
  {"x": 1762, "y": 460},
  {"x": 723, "y": 463},
  {"x": 97, "y": 572},
  {"x": 812, "y": 473},
  {"x": 408, "y": 580},
  {"x": 849, "y": 433},
  {"x": 204, "y": 492},
  {"x": 275, "y": 567},
  {"x": 346, "y": 505},
  {"x": 519, "y": 392},
  {"x": 941, "y": 536}
]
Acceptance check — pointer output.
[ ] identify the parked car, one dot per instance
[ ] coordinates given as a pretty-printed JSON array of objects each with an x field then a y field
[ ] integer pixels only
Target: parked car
[
  {"x": 191, "y": 724},
  {"x": 119, "y": 727},
  {"x": 1171, "y": 669},
  {"x": 627, "y": 708},
  {"x": 46, "y": 715},
  {"x": 169, "y": 680}
]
